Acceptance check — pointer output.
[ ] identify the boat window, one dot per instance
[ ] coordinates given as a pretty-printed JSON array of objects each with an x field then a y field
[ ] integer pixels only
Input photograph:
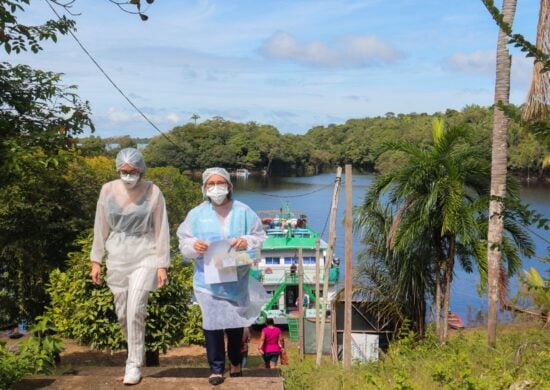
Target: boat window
[
  {"x": 290, "y": 260},
  {"x": 309, "y": 259},
  {"x": 273, "y": 260}
]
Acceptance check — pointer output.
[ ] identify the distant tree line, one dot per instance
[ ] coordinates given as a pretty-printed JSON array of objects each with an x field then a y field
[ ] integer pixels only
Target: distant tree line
[{"x": 193, "y": 147}]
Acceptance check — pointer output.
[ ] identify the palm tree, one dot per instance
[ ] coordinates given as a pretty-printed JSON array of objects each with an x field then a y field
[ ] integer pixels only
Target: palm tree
[
  {"x": 195, "y": 117},
  {"x": 388, "y": 281},
  {"x": 433, "y": 197},
  {"x": 418, "y": 220},
  {"x": 537, "y": 104},
  {"x": 538, "y": 99},
  {"x": 498, "y": 173}
]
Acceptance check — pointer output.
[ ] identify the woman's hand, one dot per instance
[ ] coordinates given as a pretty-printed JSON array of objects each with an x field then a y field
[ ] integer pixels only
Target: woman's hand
[
  {"x": 239, "y": 243},
  {"x": 200, "y": 246},
  {"x": 162, "y": 277},
  {"x": 95, "y": 273}
]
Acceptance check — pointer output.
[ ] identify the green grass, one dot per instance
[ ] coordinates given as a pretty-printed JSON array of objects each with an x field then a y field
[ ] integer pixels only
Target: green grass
[{"x": 522, "y": 357}]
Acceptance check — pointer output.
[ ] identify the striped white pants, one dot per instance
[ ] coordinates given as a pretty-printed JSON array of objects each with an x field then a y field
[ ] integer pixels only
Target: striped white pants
[{"x": 131, "y": 309}]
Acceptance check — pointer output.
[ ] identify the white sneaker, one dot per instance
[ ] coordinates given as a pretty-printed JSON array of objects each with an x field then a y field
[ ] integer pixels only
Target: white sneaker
[{"x": 132, "y": 376}]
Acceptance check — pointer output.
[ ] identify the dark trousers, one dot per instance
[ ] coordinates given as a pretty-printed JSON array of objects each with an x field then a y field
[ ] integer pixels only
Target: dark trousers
[{"x": 215, "y": 348}]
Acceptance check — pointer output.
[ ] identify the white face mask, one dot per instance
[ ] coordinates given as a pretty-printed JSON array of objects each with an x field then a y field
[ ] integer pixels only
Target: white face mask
[
  {"x": 129, "y": 180},
  {"x": 217, "y": 194}
]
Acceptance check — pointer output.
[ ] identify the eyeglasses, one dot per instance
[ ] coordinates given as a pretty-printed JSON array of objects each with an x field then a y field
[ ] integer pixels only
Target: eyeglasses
[
  {"x": 129, "y": 172},
  {"x": 211, "y": 184}
]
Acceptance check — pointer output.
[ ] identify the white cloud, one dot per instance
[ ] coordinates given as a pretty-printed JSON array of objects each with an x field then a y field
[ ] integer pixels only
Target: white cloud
[
  {"x": 119, "y": 116},
  {"x": 368, "y": 50},
  {"x": 522, "y": 70},
  {"x": 478, "y": 62},
  {"x": 352, "y": 51},
  {"x": 484, "y": 63},
  {"x": 172, "y": 117}
]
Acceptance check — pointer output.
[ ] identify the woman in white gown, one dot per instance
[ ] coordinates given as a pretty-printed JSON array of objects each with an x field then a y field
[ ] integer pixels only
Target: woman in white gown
[{"x": 132, "y": 227}]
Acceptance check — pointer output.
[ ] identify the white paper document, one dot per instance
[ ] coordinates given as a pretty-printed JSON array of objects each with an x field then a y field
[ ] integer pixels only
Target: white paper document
[{"x": 220, "y": 264}]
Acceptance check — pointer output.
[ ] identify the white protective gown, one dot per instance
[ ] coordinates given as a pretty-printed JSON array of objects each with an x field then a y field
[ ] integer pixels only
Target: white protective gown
[
  {"x": 132, "y": 226},
  {"x": 230, "y": 304}
]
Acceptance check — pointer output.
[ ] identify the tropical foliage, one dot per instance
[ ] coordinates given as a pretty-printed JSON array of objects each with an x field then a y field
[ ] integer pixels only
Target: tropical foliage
[
  {"x": 418, "y": 220},
  {"x": 85, "y": 312},
  {"x": 521, "y": 361},
  {"x": 37, "y": 355},
  {"x": 533, "y": 297},
  {"x": 180, "y": 193},
  {"x": 39, "y": 118},
  {"x": 193, "y": 147}
]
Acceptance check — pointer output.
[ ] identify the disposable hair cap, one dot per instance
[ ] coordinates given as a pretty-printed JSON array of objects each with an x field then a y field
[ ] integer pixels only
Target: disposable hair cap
[
  {"x": 132, "y": 157},
  {"x": 216, "y": 171}
]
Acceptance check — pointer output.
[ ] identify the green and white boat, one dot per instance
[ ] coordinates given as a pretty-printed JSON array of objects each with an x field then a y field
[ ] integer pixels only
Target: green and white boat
[{"x": 277, "y": 267}]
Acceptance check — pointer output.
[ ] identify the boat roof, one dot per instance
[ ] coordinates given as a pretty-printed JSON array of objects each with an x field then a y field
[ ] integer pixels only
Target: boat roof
[
  {"x": 283, "y": 241},
  {"x": 288, "y": 235},
  {"x": 284, "y": 213}
]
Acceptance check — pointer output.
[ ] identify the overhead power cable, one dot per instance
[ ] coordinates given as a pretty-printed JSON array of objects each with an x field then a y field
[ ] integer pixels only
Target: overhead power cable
[
  {"x": 113, "y": 83},
  {"x": 289, "y": 196}
]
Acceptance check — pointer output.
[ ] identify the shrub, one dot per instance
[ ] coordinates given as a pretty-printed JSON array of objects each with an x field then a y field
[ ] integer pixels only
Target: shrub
[
  {"x": 37, "y": 354},
  {"x": 85, "y": 312}
]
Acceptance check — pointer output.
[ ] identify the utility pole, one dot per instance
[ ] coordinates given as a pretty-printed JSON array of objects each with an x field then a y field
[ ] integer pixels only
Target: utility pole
[
  {"x": 301, "y": 302},
  {"x": 328, "y": 261},
  {"x": 348, "y": 282},
  {"x": 317, "y": 288}
]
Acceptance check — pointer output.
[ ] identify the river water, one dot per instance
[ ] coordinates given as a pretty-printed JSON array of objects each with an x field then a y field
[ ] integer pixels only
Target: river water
[{"x": 313, "y": 196}]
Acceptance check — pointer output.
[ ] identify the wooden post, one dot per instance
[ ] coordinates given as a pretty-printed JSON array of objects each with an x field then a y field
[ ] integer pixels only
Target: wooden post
[
  {"x": 328, "y": 262},
  {"x": 334, "y": 334},
  {"x": 348, "y": 277},
  {"x": 301, "y": 302},
  {"x": 317, "y": 288}
]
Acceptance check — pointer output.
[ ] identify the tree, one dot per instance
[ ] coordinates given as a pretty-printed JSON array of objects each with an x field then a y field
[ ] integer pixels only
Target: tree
[
  {"x": 434, "y": 196},
  {"x": 39, "y": 216},
  {"x": 538, "y": 99},
  {"x": 195, "y": 117},
  {"x": 92, "y": 146},
  {"x": 269, "y": 143},
  {"x": 536, "y": 109},
  {"x": 180, "y": 193},
  {"x": 392, "y": 282},
  {"x": 37, "y": 113},
  {"x": 420, "y": 219},
  {"x": 498, "y": 173},
  {"x": 17, "y": 37}
]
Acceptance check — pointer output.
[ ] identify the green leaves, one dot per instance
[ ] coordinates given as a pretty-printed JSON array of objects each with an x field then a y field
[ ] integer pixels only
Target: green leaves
[
  {"x": 430, "y": 211},
  {"x": 517, "y": 39},
  {"x": 85, "y": 312},
  {"x": 37, "y": 354},
  {"x": 18, "y": 37}
]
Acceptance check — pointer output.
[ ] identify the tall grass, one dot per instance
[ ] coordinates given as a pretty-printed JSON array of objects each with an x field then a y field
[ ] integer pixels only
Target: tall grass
[{"x": 522, "y": 359}]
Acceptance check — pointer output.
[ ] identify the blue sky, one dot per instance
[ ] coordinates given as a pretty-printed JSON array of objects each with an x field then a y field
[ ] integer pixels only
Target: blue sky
[{"x": 292, "y": 64}]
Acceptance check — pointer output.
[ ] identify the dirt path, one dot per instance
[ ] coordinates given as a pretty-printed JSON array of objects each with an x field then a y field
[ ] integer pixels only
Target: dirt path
[{"x": 182, "y": 367}]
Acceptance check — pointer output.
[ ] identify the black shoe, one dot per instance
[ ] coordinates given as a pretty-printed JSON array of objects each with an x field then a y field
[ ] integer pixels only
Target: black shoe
[
  {"x": 215, "y": 380},
  {"x": 235, "y": 374}
]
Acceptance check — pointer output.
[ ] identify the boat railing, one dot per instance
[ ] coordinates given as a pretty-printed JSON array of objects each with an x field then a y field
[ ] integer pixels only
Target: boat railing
[{"x": 291, "y": 277}]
